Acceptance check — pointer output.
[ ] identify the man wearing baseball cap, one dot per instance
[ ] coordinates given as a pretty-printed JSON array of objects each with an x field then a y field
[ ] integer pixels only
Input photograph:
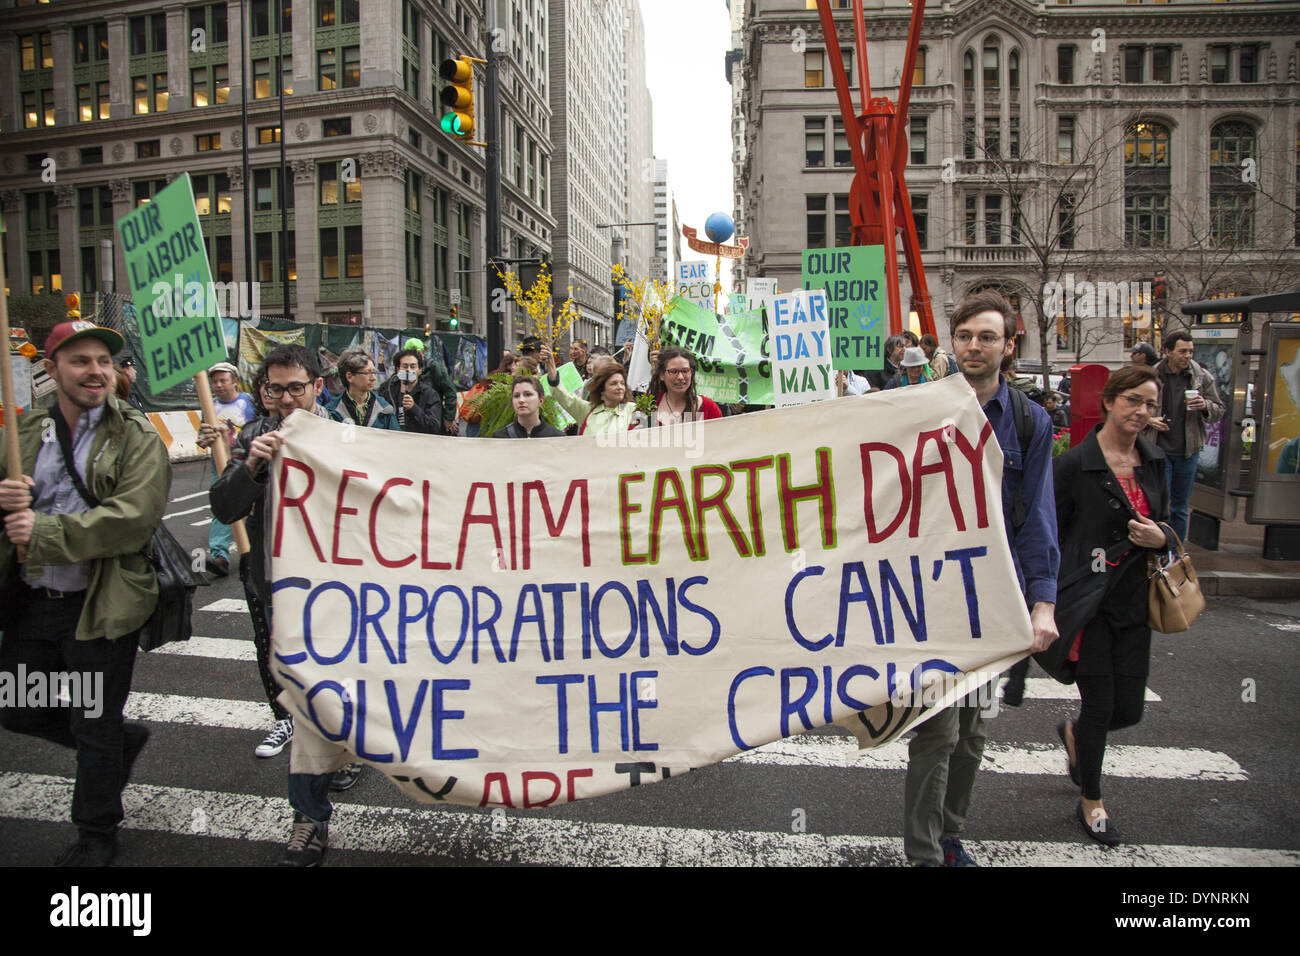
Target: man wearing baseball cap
[
  {"x": 234, "y": 410},
  {"x": 86, "y": 586}
]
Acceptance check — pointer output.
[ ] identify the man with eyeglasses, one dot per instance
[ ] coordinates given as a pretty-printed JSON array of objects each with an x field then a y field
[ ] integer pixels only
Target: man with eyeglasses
[
  {"x": 243, "y": 492},
  {"x": 946, "y": 751},
  {"x": 1189, "y": 401}
]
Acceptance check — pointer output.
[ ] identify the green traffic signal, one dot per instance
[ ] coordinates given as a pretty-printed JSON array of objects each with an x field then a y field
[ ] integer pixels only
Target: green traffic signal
[{"x": 458, "y": 97}]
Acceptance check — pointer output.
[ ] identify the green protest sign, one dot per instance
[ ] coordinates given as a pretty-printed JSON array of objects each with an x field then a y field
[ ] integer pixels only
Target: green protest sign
[
  {"x": 732, "y": 351},
  {"x": 854, "y": 280},
  {"x": 571, "y": 381},
  {"x": 171, "y": 287}
]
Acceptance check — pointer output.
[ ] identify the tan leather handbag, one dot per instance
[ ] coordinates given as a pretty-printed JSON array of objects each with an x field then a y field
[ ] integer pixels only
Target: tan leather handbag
[{"x": 1174, "y": 596}]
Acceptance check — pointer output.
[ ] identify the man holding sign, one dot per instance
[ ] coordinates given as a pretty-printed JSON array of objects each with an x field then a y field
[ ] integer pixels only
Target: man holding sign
[
  {"x": 75, "y": 604},
  {"x": 946, "y": 751}
]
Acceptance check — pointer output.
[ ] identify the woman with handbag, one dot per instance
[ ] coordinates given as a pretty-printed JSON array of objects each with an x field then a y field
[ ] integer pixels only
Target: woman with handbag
[{"x": 1110, "y": 493}]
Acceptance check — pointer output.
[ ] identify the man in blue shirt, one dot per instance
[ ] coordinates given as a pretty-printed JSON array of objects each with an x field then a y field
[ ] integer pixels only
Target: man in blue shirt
[{"x": 946, "y": 751}]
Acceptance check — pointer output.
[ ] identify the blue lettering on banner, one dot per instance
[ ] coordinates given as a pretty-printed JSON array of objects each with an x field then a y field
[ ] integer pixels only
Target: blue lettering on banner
[
  {"x": 404, "y": 731},
  {"x": 561, "y": 704},
  {"x": 964, "y": 556},
  {"x": 440, "y": 714}
]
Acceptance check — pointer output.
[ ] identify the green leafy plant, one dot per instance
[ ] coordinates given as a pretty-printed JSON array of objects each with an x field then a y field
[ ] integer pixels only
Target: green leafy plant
[{"x": 497, "y": 410}]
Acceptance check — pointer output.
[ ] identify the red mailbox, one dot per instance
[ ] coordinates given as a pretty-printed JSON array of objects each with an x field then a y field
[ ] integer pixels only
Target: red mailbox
[{"x": 1086, "y": 383}]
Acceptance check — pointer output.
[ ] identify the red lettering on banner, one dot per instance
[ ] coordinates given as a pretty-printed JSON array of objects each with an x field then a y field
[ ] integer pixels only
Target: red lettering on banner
[
  {"x": 468, "y": 518},
  {"x": 374, "y": 514},
  {"x": 299, "y": 503},
  {"x": 716, "y": 501},
  {"x": 975, "y": 455},
  {"x": 874, "y": 534},
  {"x": 573, "y": 775},
  {"x": 500, "y": 780},
  {"x": 822, "y": 491},
  {"x": 425, "y": 563},
  {"x": 751, "y": 467},
  {"x": 553, "y": 526},
  {"x": 941, "y": 467},
  {"x": 340, "y": 511},
  {"x": 529, "y": 776},
  {"x": 625, "y": 510},
  {"x": 676, "y": 501}
]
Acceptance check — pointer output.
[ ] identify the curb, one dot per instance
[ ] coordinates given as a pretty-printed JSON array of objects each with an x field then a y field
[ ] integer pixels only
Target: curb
[{"x": 1248, "y": 584}]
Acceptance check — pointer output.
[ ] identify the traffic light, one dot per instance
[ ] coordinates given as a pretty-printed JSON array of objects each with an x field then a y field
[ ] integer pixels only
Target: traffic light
[
  {"x": 454, "y": 322},
  {"x": 73, "y": 301},
  {"x": 458, "y": 97}
]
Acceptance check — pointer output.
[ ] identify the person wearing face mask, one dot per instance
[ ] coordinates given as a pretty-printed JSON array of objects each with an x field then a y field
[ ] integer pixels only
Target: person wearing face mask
[
  {"x": 526, "y": 397},
  {"x": 418, "y": 407}
]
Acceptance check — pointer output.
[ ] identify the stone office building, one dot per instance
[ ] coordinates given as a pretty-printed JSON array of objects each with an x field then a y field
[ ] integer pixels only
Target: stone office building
[
  {"x": 107, "y": 103},
  {"x": 1104, "y": 142}
]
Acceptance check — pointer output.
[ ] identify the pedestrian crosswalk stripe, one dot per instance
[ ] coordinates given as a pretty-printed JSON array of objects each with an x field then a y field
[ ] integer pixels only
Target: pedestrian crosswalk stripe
[
  {"x": 1158, "y": 763},
  {"x": 1045, "y": 688},
  {"x": 523, "y": 837},
  {"x": 221, "y": 648},
  {"x": 176, "y": 501},
  {"x": 227, "y": 604},
  {"x": 195, "y": 524},
  {"x": 199, "y": 711},
  {"x": 179, "y": 514}
]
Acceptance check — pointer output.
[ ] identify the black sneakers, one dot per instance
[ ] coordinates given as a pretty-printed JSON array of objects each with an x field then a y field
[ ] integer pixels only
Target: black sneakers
[
  {"x": 308, "y": 842},
  {"x": 346, "y": 778}
]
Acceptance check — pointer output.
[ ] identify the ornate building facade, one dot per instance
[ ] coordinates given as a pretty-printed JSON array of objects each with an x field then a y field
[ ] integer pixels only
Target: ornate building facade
[{"x": 1059, "y": 152}]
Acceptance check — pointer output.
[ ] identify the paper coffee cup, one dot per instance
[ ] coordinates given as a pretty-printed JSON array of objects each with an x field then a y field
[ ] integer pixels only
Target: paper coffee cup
[{"x": 1191, "y": 393}]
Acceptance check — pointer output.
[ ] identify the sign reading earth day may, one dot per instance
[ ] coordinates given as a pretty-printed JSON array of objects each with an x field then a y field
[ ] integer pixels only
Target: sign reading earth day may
[
  {"x": 171, "y": 286},
  {"x": 854, "y": 280}
]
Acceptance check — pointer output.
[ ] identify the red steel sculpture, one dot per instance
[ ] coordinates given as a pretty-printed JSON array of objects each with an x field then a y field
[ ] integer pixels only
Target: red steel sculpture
[{"x": 879, "y": 205}]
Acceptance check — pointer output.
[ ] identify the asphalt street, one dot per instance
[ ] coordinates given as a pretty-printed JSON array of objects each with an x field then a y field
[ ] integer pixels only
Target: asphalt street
[{"x": 1208, "y": 778}]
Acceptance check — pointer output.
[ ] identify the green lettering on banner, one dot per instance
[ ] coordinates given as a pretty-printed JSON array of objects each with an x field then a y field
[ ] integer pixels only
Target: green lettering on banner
[
  {"x": 732, "y": 351},
  {"x": 162, "y": 242},
  {"x": 854, "y": 280}
]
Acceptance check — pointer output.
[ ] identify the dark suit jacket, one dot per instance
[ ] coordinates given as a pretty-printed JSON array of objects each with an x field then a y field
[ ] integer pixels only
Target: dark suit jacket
[{"x": 1093, "y": 512}]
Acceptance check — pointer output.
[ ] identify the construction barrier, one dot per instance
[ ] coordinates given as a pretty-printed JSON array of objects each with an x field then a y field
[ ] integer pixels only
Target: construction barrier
[{"x": 179, "y": 432}]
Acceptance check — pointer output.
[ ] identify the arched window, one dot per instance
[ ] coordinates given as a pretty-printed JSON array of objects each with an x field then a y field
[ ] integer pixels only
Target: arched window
[
  {"x": 1233, "y": 173},
  {"x": 992, "y": 73},
  {"x": 1013, "y": 70},
  {"x": 1146, "y": 186},
  {"x": 968, "y": 71}
]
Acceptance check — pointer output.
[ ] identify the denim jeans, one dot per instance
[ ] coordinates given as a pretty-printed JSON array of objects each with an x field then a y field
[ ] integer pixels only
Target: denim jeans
[
  {"x": 309, "y": 794},
  {"x": 1180, "y": 475},
  {"x": 219, "y": 536},
  {"x": 43, "y": 639}
]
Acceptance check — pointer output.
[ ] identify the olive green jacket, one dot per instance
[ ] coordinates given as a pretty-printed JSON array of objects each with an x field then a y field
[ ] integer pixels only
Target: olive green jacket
[{"x": 130, "y": 474}]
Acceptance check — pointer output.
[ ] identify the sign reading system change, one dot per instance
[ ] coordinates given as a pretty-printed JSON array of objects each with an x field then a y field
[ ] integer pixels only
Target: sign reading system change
[
  {"x": 171, "y": 287},
  {"x": 607, "y": 611}
]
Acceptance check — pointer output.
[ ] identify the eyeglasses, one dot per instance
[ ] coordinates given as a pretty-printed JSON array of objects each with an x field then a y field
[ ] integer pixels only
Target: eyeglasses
[
  {"x": 1135, "y": 401},
  {"x": 296, "y": 389},
  {"x": 677, "y": 371},
  {"x": 370, "y": 371},
  {"x": 985, "y": 339}
]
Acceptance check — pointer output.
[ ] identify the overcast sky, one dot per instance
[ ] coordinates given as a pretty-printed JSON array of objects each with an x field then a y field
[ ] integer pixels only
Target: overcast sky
[{"x": 686, "y": 42}]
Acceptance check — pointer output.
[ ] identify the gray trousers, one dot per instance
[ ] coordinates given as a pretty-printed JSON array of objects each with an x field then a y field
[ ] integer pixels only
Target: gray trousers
[{"x": 943, "y": 758}]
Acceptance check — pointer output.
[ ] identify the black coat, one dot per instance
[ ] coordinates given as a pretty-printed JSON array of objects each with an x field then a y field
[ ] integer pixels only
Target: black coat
[
  {"x": 1093, "y": 512},
  {"x": 425, "y": 416}
]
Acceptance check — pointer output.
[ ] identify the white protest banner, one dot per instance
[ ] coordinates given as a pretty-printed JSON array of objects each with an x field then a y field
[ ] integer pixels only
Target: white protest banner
[
  {"x": 801, "y": 355},
  {"x": 598, "y": 613},
  {"x": 760, "y": 290},
  {"x": 695, "y": 283}
]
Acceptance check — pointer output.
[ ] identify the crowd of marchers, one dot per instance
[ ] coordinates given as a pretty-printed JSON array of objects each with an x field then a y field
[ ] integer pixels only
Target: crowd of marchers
[{"x": 78, "y": 584}]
